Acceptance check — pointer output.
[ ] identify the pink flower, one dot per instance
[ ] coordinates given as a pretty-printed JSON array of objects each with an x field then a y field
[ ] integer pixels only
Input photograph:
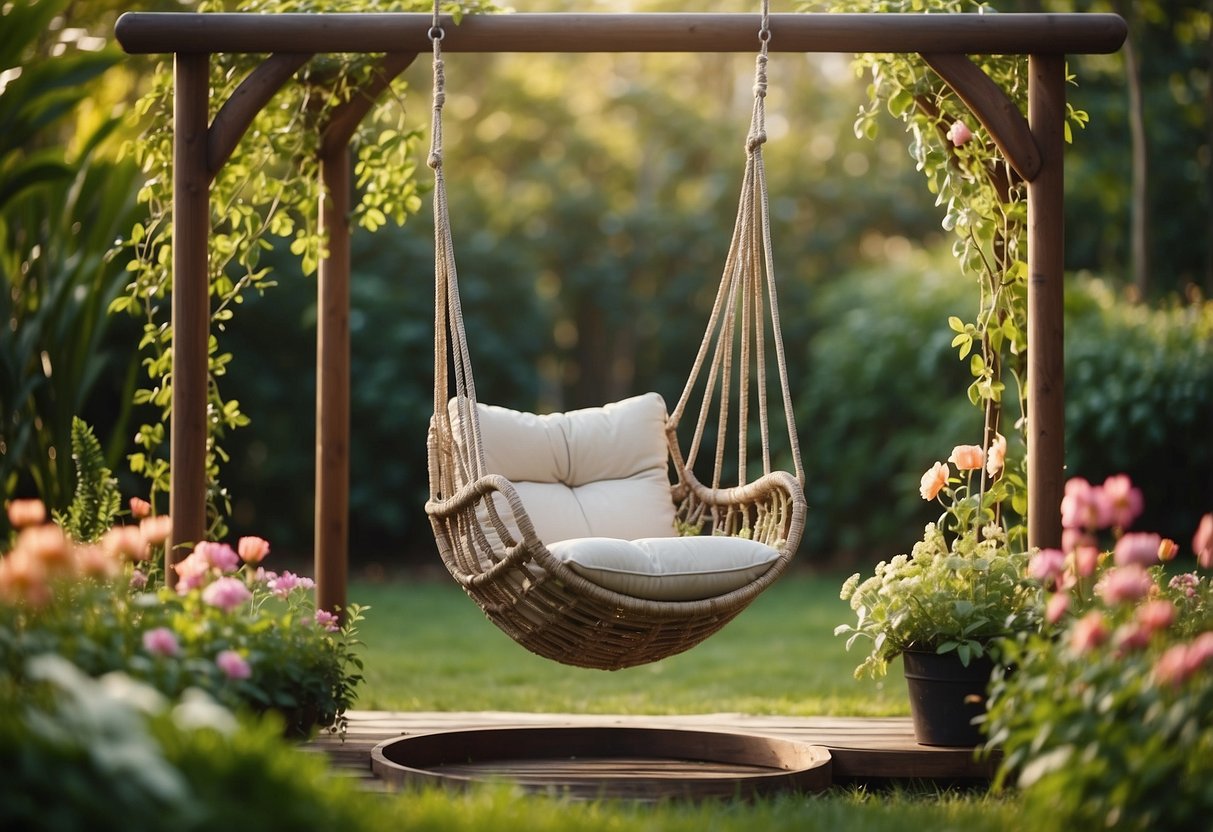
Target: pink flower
[
  {"x": 997, "y": 455},
  {"x": 1172, "y": 666},
  {"x": 262, "y": 576},
  {"x": 1084, "y": 506},
  {"x": 1047, "y": 565},
  {"x": 140, "y": 508},
  {"x": 191, "y": 572},
  {"x": 226, "y": 593},
  {"x": 1137, "y": 547},
  {"x": 161, "y": 642},
  {"x": 967, "y": 457},
  {"x": 1086, "y": 559},
  {"x": 1124, "y": 501},
  {"x": 328, "y": 621},
  {"x": 933, "y": 481},
  {"x": 233, "y": 665},
  {"x": 22, "y": 513},
  {"x": 1156, "y": 615},
  {"x": 959, "y": 133},
  {"x": 253, "y": 549},
  {"x": 95, "y": 562},
  {"x": 219, "y": 555},
  {"x": 1186, "y": 583},
  {"x": 156, "y": 530},
  {"x": 1056, "y": 608},
  {"x": 1130, "y": 637},
  {"x": 1200, "y": 652},
  {"x": 1125, "y": 584},
  {"x": 1088, "y": 632},
  {"x": 138, "y": 579},
  {"x": 1202, "y": 542},
  {"x": 288, "y": 582}
]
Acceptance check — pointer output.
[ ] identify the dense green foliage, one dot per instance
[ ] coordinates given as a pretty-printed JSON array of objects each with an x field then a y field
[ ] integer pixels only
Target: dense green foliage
[{"x": 96, "y": 499}]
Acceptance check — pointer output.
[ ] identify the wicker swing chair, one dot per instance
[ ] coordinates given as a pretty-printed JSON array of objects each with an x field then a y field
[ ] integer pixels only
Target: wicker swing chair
[{"x": 627, "y": 575}]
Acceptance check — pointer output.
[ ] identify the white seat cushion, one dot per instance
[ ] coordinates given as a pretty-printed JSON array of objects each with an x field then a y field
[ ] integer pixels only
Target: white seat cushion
[
  {"x": 598, "y": 472},
  {"x": 667, "y": 568}
]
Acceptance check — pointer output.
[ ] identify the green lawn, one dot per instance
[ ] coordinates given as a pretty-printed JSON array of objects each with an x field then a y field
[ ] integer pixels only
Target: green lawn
[{"x": 428, "y": 647}]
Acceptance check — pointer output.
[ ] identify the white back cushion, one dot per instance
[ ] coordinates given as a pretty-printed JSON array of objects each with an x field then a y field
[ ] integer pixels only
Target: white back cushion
[{"x": 598, "y": 472}]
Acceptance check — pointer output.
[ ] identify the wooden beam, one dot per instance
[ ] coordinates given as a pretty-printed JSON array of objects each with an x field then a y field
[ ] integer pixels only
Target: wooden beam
[
  {"x": 238, "y": 112},
  {"x": 153, "y": 32},
  {"x": 1001, "y": 118},
  {"x": 1046, "y": 296},
  {"x": 190, "y": 306}
]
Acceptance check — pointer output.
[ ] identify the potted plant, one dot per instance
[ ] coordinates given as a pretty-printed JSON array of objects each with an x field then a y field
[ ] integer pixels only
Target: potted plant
[{"x": 944, "y": 606}]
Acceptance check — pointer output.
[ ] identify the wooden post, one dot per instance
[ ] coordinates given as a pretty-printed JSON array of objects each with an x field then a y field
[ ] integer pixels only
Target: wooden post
[
  {"x": 331, "y": 557},
  {"x": 1046, "y": 296},
  {"x": 190, "y": 305}
]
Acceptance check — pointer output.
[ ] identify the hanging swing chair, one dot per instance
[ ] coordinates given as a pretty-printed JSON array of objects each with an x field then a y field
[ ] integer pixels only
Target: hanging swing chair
[{"x": 565, "y": 528}]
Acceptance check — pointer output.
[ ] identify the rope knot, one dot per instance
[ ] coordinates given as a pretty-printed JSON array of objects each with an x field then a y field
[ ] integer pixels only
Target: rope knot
[
  {"x": 755, "y": 140},
  {"x": 434, "y": 160},
  {"x": 760, "y": 77}
]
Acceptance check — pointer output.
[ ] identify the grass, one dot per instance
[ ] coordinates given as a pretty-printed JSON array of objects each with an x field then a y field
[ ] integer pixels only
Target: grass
[{"x": 428, "y": 647}]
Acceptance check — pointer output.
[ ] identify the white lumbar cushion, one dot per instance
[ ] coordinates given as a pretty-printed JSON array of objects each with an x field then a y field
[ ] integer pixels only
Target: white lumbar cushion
[
  {"x": 667, "y": 568},
  {"x": 597, "y": 472}
]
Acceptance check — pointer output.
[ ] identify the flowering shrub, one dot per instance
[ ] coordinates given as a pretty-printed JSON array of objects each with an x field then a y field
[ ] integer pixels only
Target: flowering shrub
[
  {"x": 949, "y": 594},
  {"x": 250, "y": 638},
  {"x": 113, "y": 754},
  {"x": 1107, "y": 720}
]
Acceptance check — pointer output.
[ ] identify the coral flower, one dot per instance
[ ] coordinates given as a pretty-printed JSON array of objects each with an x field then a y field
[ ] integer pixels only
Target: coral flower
[
  {"x": 233, "y": 665},
  {"x": 23, "y": 579},
  {"x": 997, "y": 456},
  {"x": 1156, "y": 615},
  {"x": 1167, "y": 550},
  {"x": 252, "y": 549},
  {"x": 1202, "y": 542},
  {"x": 933, "y": 481},
  {"x": 22, "y": 513},
  {"x": 140, "y": 508},
  {"x": 48, "y": 545},
  {"x": 967, "y": 457},
  {"x": 125, "y": 541},
  {"x": 156, "y": 530}
]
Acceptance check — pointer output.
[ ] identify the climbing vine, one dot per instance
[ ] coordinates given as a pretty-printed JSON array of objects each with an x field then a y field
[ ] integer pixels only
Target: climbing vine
[
  {"x": 985, "y": 207},
  {"x": 266, "y": 195}
]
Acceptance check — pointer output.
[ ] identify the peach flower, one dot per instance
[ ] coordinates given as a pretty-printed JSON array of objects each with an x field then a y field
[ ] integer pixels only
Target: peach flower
[
  {"x": 140, "y": 508},
  {"x": 252, "y": 549},
  {"x": 22, "y": 513},
  {"x": 997, "y": 456},
  {"x": 933, "y": 481},
  {"x": 967, "y": 457}
]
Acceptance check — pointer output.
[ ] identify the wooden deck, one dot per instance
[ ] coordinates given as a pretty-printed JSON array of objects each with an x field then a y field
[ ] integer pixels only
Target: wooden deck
[{"x": 863, "y": 748}]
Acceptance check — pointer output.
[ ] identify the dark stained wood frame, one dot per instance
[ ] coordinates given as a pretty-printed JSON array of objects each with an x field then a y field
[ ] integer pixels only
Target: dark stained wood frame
[{"x": 1034, "y": 148}]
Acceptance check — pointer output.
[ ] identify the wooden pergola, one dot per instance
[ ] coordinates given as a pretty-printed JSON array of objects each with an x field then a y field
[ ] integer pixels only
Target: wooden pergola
[{"x": 1034, "y": 147}]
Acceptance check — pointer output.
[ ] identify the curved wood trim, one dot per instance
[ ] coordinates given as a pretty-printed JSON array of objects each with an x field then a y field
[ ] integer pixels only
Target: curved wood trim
[
  {"x": 1006, "y": 125},
  {"x": 238, "y": 112},
  {"x": 346, "y": 117}
]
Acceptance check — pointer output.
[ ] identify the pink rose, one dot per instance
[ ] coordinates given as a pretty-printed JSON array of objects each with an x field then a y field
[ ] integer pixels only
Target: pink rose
[
  {"x": 1156, "y": 615},
  {"x": 161, "y": 642},
  {"x": 959, "y": 133},
  {"x": 1084, "y": 506},
  {"x": 1124, "y": 501},
  {"x": 997, "y": 456},
  {"x": 1088, "y": 632},
  {"x": 1137, "y": 547},
  {"x": 1125, "y": 584},
  {"x": 226, "y": 593},
  {"x": 1056, "y": 608},
  {"x": 252, "y": 549},
  {"x": 140, "y": 508},
  {"x": 219, "y": 555},
  {"x": 967, "y": 457},
  {"x": 233, "y": 665},
  {"x": 1047, "y": 565},
  {"x": 1202, "y": 542},
  {"x": 933, "y": 481},
  {"x": 22, "y": 513}
]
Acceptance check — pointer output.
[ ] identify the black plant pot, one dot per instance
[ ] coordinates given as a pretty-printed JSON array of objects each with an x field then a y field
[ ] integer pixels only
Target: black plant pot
[{"x": 945, "y": 696}]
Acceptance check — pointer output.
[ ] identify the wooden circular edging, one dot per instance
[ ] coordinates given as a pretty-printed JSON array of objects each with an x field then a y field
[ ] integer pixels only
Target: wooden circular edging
[{"x": 607, "y": 762}]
